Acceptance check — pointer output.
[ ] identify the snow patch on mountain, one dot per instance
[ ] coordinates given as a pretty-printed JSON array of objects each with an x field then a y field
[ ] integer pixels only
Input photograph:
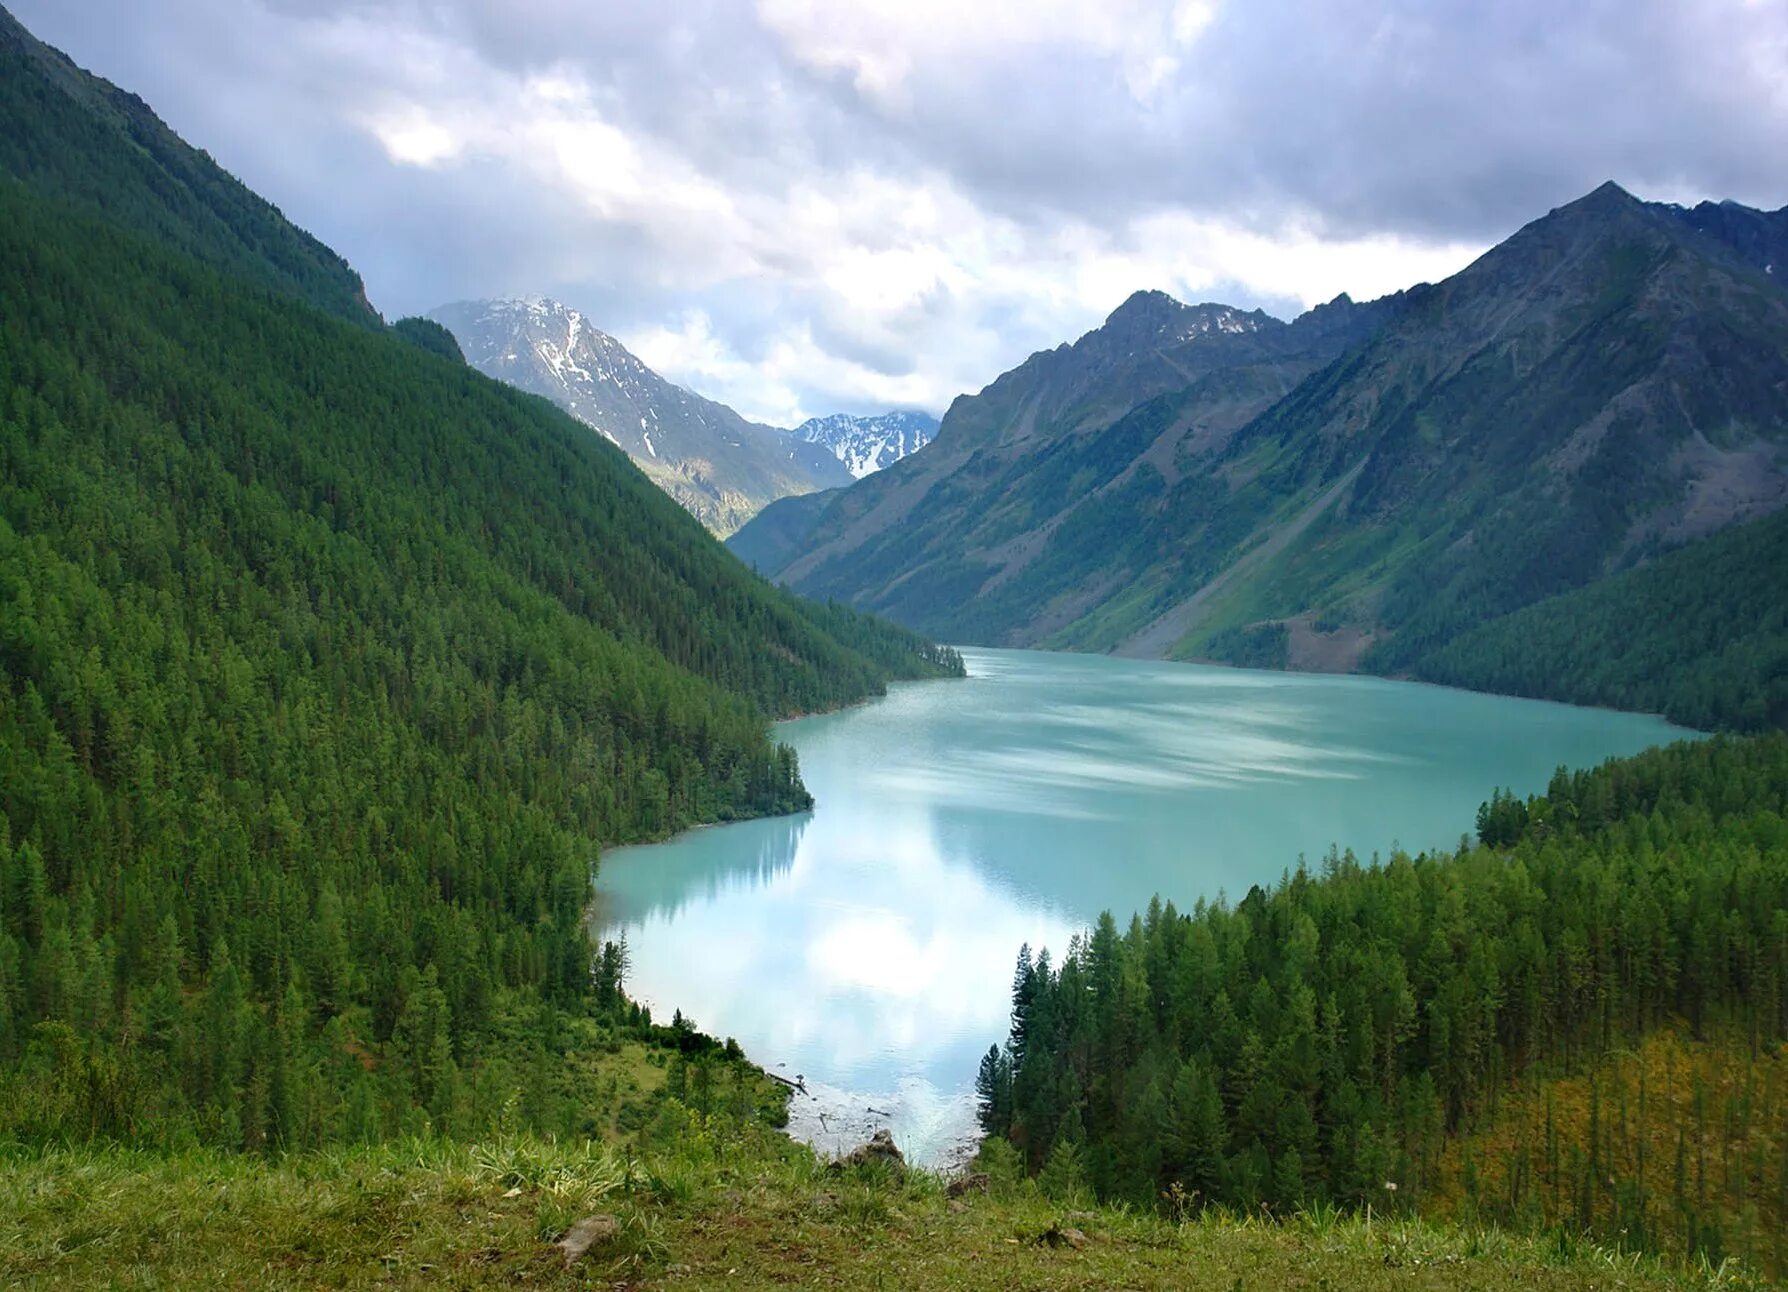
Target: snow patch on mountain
[
  {"x": 1206, "y": 319},
  {"x": 867, "y": 444}
]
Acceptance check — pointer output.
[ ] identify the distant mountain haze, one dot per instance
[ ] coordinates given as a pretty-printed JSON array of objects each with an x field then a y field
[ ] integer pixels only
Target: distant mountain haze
[
  {"x": 1353, "y": 489},
  {"x": 720, "y": 466}
]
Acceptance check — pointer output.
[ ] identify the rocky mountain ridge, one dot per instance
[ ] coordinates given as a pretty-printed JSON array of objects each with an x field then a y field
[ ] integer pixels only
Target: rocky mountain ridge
[
  {"x": 1354, "y": 488},
  {"x": 717, "y": 464},
  {"x": 1063, "y": 432}
]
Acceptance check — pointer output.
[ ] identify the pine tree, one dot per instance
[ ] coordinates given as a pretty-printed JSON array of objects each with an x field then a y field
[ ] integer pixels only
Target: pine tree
[{"x": 993, "y": 1092}]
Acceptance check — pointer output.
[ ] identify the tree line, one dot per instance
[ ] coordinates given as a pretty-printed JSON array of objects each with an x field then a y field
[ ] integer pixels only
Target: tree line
[{"x": 1321, "y": 1040}]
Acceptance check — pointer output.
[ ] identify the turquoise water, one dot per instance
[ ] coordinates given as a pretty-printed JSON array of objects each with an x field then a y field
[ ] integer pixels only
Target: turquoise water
[{"x": 869, "y": 945}]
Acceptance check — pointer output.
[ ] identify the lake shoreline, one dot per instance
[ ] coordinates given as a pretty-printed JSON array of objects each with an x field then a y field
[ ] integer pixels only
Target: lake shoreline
[{"x": 869, "y": 943}]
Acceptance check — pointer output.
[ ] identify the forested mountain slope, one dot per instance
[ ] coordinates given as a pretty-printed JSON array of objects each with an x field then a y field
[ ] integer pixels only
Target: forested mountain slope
[
  {"x": 429, "y": 335},
  {"x": 720, "y": 466},
  {"x": 1347, "y": 1027},
  {"x": 1699, "y": 635},
  {"x": 1608, "y": 384},
  {"x": 326, "y": 664},
  {"x": 100, "y": 147}
]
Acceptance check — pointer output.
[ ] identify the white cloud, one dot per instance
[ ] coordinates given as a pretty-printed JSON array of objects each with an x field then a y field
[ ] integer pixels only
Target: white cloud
[
  {"x": 879, "y": 44},
  {"x": 887, "y": 284},
  {"x": 774, "y": 387},
  {"x": 797, "y": 206},
  {"x": 411, "y": 137},
  {"x": 1189, "y": 256},
  {"x": 932, "y": 292}
]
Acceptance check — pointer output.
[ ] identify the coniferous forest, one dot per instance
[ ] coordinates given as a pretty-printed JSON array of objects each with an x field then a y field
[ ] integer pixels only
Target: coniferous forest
[
  {"x": 1324, "y": 1041},
  {"x": 329, "y": 667},
  {"x": 326, "y": 665},
  {"x": 1700, "y": 635}
]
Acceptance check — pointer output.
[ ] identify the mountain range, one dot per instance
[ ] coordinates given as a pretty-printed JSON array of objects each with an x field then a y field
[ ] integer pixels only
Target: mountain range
[
  {"x": 329, "y": 666},
  {"x": 720, "y": 466},
  {"x": 1357, "y": 489}
]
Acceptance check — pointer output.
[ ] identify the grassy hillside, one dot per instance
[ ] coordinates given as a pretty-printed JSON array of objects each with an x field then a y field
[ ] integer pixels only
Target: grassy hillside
[{"x": 723, "y": 1211}]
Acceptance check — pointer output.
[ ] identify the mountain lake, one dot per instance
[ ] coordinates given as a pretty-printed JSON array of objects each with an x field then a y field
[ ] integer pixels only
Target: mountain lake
[{"x": 868, "y": 946}]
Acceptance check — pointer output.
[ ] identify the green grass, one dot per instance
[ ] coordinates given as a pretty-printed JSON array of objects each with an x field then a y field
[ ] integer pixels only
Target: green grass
[{"x": 720, "y": 1209}]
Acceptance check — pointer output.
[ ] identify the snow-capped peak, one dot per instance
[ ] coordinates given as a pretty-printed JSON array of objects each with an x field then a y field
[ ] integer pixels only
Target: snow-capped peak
[
  {"x": 704, "y": 454},
  {"x": 867, "y": 444}
]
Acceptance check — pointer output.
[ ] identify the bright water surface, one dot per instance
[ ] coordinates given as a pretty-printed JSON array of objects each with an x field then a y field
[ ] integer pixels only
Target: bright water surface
[{"x": 869, "y": 945}]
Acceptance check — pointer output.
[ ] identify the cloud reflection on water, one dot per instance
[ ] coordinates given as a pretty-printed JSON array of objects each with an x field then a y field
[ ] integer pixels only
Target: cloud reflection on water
[
  {"x": 870, "y": 944},
  {"x": 869, "y": 949}
]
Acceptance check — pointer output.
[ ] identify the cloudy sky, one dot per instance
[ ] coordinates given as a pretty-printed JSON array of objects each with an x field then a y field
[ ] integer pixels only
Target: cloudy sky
[{"x": 798, "y": 206}]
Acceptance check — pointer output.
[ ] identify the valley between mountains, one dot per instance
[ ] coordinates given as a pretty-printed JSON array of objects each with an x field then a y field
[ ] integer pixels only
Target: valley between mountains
[
  {"x": 1372, "y": 486},
  {"x": 411, "y": 870},
  {"x": 720, "y": 466}
]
